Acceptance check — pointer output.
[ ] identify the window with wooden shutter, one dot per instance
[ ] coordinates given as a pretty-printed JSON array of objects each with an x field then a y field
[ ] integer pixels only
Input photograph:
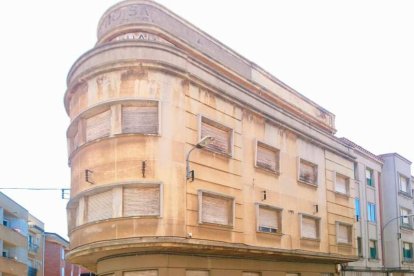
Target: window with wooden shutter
[
  {"x": 223, "y": 136},
  {"x": 308, "y": 172},
  {"x": 341, "y": 184},
  {"x": 344, "y": 233},
  {"x": 141, "y": 273},
  {"x": 309, "y": 227},
  {"x": 268, "y": 219},
  {"x": 142, "y": 201},
  {"x": 267, "y": 157},
  {"x": 142, "y": 118},
  {"x": 98, "y": 126},
  {"x": 99, "y": 206},
  {"x": 196, "y": 273},
  {"x": 72, "y": 215},
  {"x": 216, "y": 209}
]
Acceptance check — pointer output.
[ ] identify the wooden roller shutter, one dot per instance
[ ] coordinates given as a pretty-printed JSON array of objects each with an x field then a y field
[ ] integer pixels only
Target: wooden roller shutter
[
  {"x": 142, "y": 273},
  {"x": 221, "y": 134},
  {"x": 98, "y": 126},
  {"x": 72, "y": 215},
  {"x": 309, "y": 227},
  {"x": 196, "y": 273},
  {"x": 216, "y": 209},
  {"x": 267, "y": 158},
  {"x": 140, "y": 119},
  {"x": 343, "y": 233},
  {"x": 142, "y": 201},
  {"x": 268, "y": 219},
  {"x": 308, "y": 172},
  {"x": 341, "y": 184},
  {"x": 99, "y": 206}
]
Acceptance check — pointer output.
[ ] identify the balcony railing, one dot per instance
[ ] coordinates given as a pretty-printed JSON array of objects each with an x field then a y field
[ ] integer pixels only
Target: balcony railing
[{"x": 33, "y": 247}]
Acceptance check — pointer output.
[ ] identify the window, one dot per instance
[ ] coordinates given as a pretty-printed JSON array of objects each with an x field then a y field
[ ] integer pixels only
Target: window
[
  {"x": 407, "y": 252},
  {"x": 5, "y": 253},
  {"x": 373, "y": 249},
  {"x": 371, "y": 212},
  {"x": 405, "y": 185},
  {"x": 142, "y": 200},
  {"x": 341, "y": 184},
  {"x": 369, "y": 174},
  {"x": 196, "y": 273},
  {"x": 99, "y": 206},
  {"x": 5, "y": 222},
  {"x": 98, "y": 126},
  {"x": 268, "y": 219},
  {"x": 62, "y": 254},
  {"x": 141, "y": 117},
  {"x": 356, "y": 175},
  {"x": 215, "y": 209},
  {"x": 309, "y": 227},
  {"x": 357, "y": 209},
  {"x": 308, "y": 172},
  {"x": 62, "y": 271},
  {"x": 405, "y": 217},
  {"x": 359, "y": 247},
  {"x": 343, "y": 233},
  {"x": 267, "y": 157},
  {"x": 223, "y": 136}
]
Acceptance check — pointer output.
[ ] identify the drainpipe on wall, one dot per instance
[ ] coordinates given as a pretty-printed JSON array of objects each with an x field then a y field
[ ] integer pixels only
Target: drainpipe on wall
[{"x": 381, "y": 217}]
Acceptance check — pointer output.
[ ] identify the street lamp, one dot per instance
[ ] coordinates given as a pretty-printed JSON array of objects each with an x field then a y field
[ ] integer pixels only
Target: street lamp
[{"x": 205, "y": 141}]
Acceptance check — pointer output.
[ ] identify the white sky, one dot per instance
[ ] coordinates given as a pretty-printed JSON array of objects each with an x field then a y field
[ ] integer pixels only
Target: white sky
[{"x": 354, "y": 58}]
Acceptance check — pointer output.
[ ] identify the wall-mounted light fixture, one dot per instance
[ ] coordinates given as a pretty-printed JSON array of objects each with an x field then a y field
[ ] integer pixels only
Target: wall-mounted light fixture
[{"x": 201, "y": 144}]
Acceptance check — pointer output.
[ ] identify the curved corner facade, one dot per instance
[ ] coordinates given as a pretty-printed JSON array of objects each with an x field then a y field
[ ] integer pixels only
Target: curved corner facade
[{"x": 275, "y": 187}]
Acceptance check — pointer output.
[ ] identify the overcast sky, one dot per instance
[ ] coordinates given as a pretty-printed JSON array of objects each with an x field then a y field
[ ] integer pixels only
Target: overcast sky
[{"x": 354, "y": 58}]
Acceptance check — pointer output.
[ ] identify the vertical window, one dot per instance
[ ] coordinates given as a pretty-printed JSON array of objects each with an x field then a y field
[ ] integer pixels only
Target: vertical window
[
  {"x": 341, "y": 184},
  {"x": 62, "y": 271},
  {"x": 5, "y": 222},
  {"x": 98, "y": 126},
  {"x": 407, "y": 252},
  {"x": 405, "y": 217},
  {"x": 405, "y": 185},
  {"x": 216, "y": 209},
  {"x": 99, "y": 206},
  {"x": 309, "y": 227},
  {"x": 142, "y": 201},
  {"x": 373, "y": 249},
  {"x": 308, "y": 172},
  {"x": 359, "y": 245},
  {"x": 356, "y": 174},
  {"x": 357, "y": 209},
  {"x": 268, "y": 219},
  {"x": 223, "y": 136},
  {"x": 343, "y": 233},
  {"x": 369, "y": 175},
  {"x": 371, "y": 212},
  {"x": 62, "y": 253},
  {"x": 141, "y": 117},
  {"x": 267, "y": 157}
]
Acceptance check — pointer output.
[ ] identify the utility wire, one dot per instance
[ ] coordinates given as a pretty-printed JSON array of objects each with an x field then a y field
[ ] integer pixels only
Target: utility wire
[{"x": 36, "y": 189}]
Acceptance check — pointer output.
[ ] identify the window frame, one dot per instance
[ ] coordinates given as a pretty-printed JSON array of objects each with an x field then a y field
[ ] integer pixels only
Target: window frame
[
  {"x": 216, "y": 124},
  {"x": 357, "y": 203},
  {"x": 408, "y": 217},
  {"x": 318, "y": 227},
  {"x": 279, "y": 218},
  {"x": 258, "y": 144},
  {"x": 408, "y": 180},
  {"x": 315, "y": 168},
  {"x": 372, "y": 217},
  {"x": 407, "y": 260},
  {"x": 347, "y": 183},
  {"x": 201, "y": 193},
  {"x": 375, "y": 242},
  {"x": 350, "y": 233},
  {"x": 371, "y": 182},
  {"x": 142, "y": 185}
]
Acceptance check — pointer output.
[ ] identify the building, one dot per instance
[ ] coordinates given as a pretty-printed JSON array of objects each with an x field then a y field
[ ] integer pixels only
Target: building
[
  {"x": 397, "y": 211},
  {"x": 21, "y": 240},
  {"x": 367, "y": 169},
  {"x": 188, "y": 159}
]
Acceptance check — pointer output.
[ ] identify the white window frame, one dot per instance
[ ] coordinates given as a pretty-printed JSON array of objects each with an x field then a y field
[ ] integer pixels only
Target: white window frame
[
  {"x": 201, "y": 193},
  {"x": 350, "y": 232},
  {"x": 258, "y": 144},
  {"x": 216, "y": 124},
  {"x": 409, "y": 212},
  {"x": 347, "y": 183},
  {"x": 407, "y": 179},
  {"x": 318, "y": 225},
  {"x": 371, "y": 177},
  {"x": 316, "y": 169},
  {"x": 278, "y": 214}
]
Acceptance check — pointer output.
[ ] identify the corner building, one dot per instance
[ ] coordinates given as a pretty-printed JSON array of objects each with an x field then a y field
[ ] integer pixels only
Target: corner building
[{"x": 265, "y": 197}]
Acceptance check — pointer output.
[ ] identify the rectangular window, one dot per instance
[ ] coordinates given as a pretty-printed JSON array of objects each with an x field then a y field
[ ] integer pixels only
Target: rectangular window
[
  {"x": 196, "y": 273},
  {"x": 98, "y": 126},
  {"x": 359, "y": 247},
  {"x": 343, "y": 233},
  {"x": 62, "y": 271},
  {"x": 405, "y": 185},
  {"x": 141, "y": 117},
  {"x": 143, "y": 200},
  {"x": 357, "y": 209},
  {"x": 268, "y": 219},
  {"x": 216, "y": 209},
  {"x": 267, "y": 157},
  {"x": 372, "y": 217},
  {"x": 5, "y": 222},
  {"x": 405, "y": 217},
  {"x": 369, "y": 175},
  {"x": 223, "y": 136},
  {"x": 407, "y": 252},
  {"x": 309, "y": 227},
  {"x": 308, "y": 172},
  {"x": 341, "y": 184},
  {"x": 356, "y": 175},
  {"x": 373, "y": 249},
  {"x": 5, "y": 253},
  {"x": 99, "y": 206}
]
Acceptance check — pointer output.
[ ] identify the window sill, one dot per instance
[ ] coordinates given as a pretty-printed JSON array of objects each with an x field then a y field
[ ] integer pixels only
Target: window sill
[
  {"x": 341, "y": 194},
  {"x": 311, "y": 184},
  {"x": 204, "y": 223},
  {"x": 277, "y": 173},
  {"x": 278, "y": 233},
  {"x": 404, "y": 194},
  {"x": 227, "y": 155},
  {"x": 344, "y": 244},
  {"x": 406, "y": 227},
  {"x": 370, "y": 187},
  {"x": 310, "y": 239}
]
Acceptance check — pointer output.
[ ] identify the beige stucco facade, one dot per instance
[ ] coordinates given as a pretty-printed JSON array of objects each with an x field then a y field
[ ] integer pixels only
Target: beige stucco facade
[{"x": 152, "y": 87}]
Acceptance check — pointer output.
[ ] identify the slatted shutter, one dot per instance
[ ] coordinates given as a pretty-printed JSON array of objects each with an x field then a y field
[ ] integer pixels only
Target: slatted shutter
[
  {"x": 72, "y": 215},
  {"x": 141, "y": 119},
  {"x": 196, "y": 273},
  {"x": 217, "y": 209},
  {"x": 221, "y": 134},
  {"x": 309, "y": 227},
  {"x": 341, "y": 184},
  {"x": 268, "y": 220},
  {"x": 99, "y": 206},
  {"x": 251, "y": 274},
  {"x": 344, "y": 233},
  {"x": 308, "y": 172},
  {"x": 142, "y": 273},
  {"x": 98, "y": 126},
  {"x": 141, "y": 201},
  {"x": 267, "y": 157}
]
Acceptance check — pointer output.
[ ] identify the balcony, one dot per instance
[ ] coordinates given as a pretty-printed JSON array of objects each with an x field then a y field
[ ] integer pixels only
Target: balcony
[
  {"x": 10, "y": 266},
  {"x": 33, "y": 248},
  {"x": 12, "y": 236}
]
